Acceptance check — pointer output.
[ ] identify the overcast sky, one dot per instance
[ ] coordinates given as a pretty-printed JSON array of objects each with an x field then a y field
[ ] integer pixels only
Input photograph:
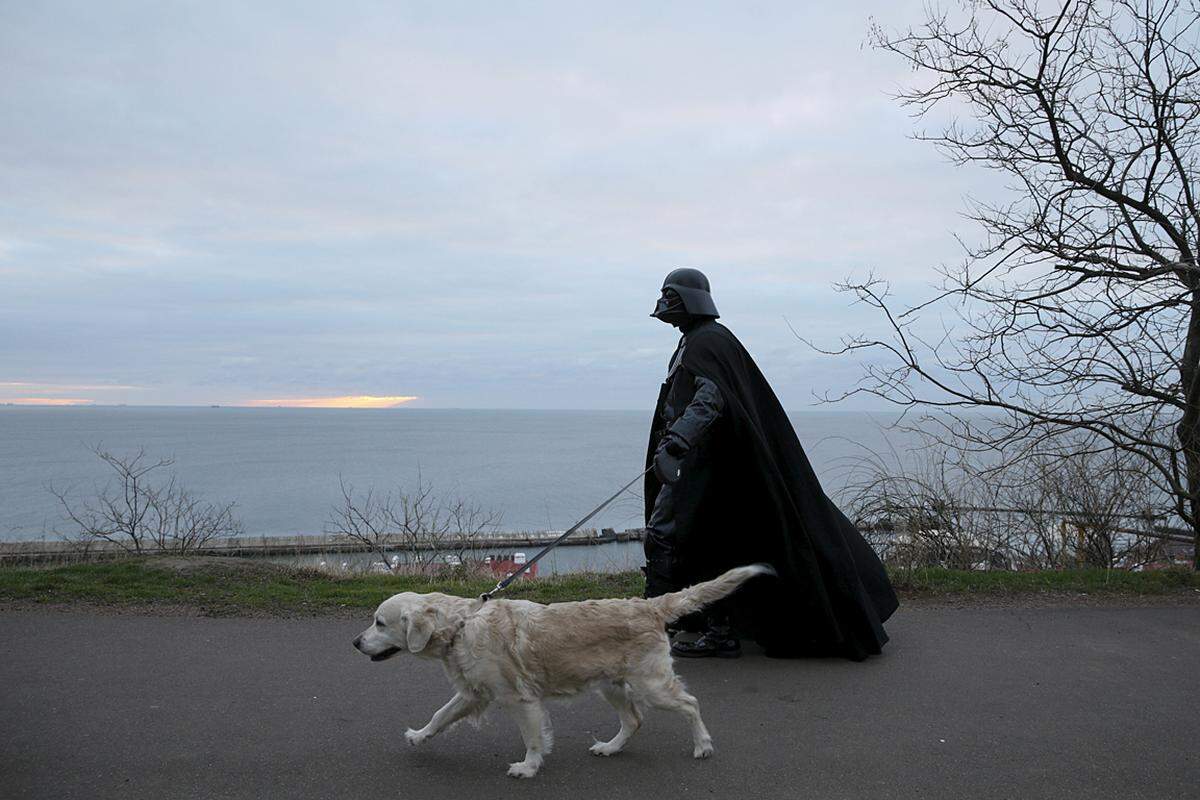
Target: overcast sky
[{"x": 470, "y": 204}]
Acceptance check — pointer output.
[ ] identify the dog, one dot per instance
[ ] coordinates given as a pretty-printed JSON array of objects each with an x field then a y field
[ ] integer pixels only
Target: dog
[{"x": 517, "y": 653}]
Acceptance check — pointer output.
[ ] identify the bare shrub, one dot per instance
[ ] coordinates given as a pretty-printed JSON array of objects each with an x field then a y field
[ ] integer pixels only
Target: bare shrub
[
  {"x": 1094, "y": 508},
  {"x": 143, "y": 509},
  {"x": 415, "y": 525},
  {"x": 1074, "y": 504},
  {"x": 918, "y": 511}
]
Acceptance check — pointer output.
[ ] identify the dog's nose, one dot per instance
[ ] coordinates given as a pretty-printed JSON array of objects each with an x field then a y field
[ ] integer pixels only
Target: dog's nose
[{"x": 357, "y": 642}]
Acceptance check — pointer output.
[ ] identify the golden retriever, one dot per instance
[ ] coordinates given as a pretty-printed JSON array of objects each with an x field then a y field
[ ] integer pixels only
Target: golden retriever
[{"x": 516, "y": 653}]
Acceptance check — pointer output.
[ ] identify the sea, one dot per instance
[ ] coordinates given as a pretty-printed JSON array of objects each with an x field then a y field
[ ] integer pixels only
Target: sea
[{"x": 284, "y": 468}]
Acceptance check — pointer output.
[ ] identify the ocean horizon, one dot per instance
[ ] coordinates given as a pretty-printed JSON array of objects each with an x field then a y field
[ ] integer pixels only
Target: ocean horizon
[{"x": 538, "y": 469}]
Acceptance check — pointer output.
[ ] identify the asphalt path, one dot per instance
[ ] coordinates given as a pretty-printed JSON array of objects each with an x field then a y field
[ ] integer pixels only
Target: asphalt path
[{"x": 965, "y": 703}]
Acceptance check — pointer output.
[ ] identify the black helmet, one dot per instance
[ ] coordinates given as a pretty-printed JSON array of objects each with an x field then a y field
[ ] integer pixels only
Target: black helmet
[{"x": 692, "y": 288}]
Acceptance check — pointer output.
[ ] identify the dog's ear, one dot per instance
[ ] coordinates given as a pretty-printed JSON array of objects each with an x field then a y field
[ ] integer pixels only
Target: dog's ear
[{"x": 420, "y": 628}]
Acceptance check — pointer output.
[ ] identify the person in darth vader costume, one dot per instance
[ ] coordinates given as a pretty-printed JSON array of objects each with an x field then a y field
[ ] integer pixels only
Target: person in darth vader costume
[{"x": 731, "y": 485}]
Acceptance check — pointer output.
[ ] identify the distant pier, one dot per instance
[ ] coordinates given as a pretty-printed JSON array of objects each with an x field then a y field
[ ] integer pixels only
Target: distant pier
[{"x": 250, "y": 546}]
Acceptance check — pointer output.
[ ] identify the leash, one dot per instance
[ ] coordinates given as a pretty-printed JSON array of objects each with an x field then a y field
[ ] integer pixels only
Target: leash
[{"x": 503, "y": 584}]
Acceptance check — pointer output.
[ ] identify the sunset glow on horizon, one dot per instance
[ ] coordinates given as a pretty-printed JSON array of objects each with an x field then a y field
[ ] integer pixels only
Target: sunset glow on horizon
[{"x": 347, "y": 401}]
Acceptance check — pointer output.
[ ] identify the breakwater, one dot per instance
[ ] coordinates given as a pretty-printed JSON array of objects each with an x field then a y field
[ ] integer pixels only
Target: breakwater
[{"x": 42, "y": 551}]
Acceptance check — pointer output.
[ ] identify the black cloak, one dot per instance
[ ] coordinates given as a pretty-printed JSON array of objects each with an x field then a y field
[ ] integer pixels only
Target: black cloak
[{"x": 762, "y": 502}]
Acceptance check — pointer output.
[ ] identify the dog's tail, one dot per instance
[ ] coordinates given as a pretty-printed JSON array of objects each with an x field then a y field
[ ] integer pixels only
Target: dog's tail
[{"x": 680, "y": 604}]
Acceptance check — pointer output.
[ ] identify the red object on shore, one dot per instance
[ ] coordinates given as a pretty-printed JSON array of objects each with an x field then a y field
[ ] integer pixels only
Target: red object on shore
[{"x": 504, "y": 565}]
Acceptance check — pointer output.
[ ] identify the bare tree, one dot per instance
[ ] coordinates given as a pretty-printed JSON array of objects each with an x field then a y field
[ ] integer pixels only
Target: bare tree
[
  {"x": 468, "y": 522},
  {"x": 364, "y": 518},
  {"x": 139, "y": 513},
  {"x": 1080, "y": 311},
  {"x": 413, "y": 524}
]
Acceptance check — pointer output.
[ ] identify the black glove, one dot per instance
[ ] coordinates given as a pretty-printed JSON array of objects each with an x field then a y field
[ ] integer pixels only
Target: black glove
[{"x": 668, "y": 458}]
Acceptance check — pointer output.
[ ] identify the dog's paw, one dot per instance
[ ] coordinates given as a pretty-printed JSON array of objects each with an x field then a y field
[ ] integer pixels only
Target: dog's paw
[
  {"x": 415, "y": 737},
  {"x": 522, "y": 769},
  {"x": 604, "y": 749},
  {"x": 702, "y": 750}
]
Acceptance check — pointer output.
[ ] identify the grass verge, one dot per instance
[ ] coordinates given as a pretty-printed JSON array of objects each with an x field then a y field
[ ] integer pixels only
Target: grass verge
[
  {"x": 937, "y": 581},
  {"x": 230, "y": 586}
]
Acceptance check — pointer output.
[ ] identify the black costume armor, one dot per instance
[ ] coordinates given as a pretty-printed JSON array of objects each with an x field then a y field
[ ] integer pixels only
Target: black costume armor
[
  {"x": 731, "y": 485},
  {"x": 688, "y": 406}
]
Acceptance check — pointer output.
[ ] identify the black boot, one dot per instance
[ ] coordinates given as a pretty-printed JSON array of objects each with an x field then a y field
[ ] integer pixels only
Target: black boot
[{"x": 717, "y": 641}]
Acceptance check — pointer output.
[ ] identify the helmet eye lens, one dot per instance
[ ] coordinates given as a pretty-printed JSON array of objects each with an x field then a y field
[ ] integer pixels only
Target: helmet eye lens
[
  {"x": 670, "y": 299},
  {"x": 670, "y": 305}
]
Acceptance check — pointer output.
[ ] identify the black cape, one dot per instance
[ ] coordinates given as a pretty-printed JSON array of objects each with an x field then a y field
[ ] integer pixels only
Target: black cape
[{"x": 762, "y": 502}]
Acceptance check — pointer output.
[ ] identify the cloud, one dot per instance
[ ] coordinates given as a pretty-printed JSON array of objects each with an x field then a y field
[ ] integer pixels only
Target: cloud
[
  {"x": 220, "y": 203},
  {"x": 42, "y": 387}
]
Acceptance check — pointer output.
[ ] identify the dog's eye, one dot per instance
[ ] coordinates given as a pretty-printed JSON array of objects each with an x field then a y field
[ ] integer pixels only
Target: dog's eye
[{"x": 378, "y": 622}]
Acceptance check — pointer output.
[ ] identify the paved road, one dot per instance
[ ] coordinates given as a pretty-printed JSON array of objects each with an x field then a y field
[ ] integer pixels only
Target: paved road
[{"x": 966, "y": 703}]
